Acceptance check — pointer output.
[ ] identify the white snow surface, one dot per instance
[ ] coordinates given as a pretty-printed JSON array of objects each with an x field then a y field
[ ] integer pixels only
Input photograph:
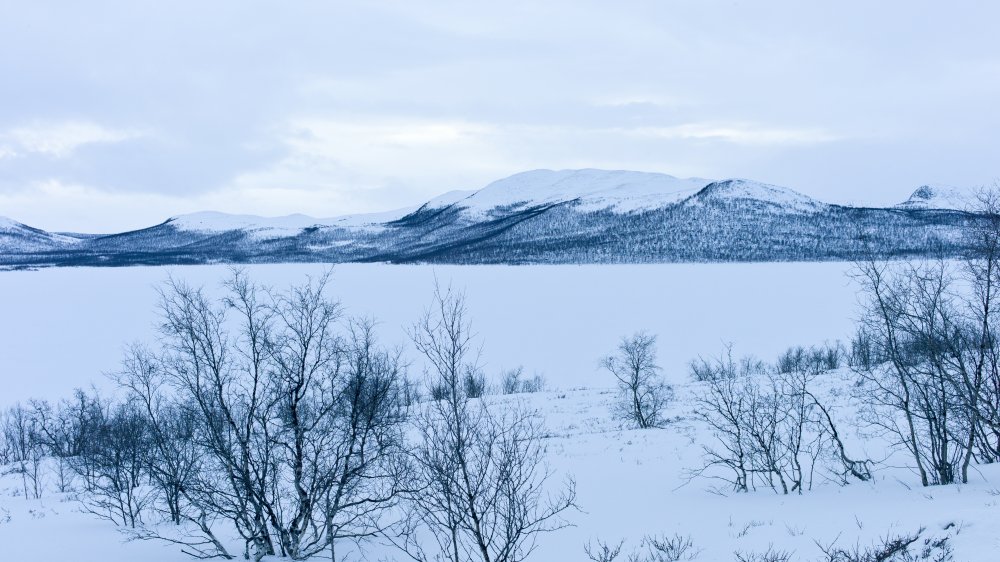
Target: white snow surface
[
  {"x": 749, "y": 190},
  {"x": 619, "y": 190},
  {"x": 938, "y": 197},
  {"x": 278, "y": 227},
  {"x": 629, "y": 483},
  {"x": 212, "y": 221},
  {"x": 537, "y": 316},
  {"x": 63, "y": 327}
]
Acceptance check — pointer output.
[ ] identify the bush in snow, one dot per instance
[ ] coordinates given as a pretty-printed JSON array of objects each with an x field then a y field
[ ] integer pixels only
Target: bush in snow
[
  {"x": 474, "y": 384},
  {"x": 652, "y": 548},
  {"x": 824, "y": 358},
  {"x": 512, "y": 381},
  {"x": 23, "y": 447},
  {"x": 724, "y": 366},
  {"x": 662, "y": 548},
  {"x": 898, "y": 548},
  {"x": 114, "y": 464},
  {"x": 772, "y": 431}
]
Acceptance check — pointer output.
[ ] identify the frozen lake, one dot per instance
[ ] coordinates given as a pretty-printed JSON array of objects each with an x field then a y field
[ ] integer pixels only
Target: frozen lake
[{"x": 63, "y": 328}]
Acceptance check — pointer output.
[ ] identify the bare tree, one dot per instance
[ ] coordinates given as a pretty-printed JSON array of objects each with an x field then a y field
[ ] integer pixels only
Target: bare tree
[
  {"x": 978, "y": 367},
  {"x": 173, "y": 456},
  {"x": 643, "y": 394},
  {"x": 480, "y": 474},
  {"x": 772, "y": 429},
  {"x": 365, "y": 469},
  {"x": 724, "y": 406},
  {"x": 930, "y": 353},
  {"x": 223, "y": 380},
  {"x": 912, "y": 318},
  {"x": 22, "y": 432},
  {"x": 116, "y": 460},
  {"x": 511, "y": 381},
  {"x": 259, "y": 411},
  {"x": 771, "y": 554},
  {"x": 602, "y": 551},
  {"x": 61, "y": 432}
]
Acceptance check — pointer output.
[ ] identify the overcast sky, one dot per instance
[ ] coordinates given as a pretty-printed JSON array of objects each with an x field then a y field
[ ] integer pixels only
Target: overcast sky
[{"x": 115, "y": 115}]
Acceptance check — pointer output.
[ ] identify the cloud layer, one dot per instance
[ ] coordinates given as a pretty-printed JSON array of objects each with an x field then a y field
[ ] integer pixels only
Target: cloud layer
[{"x": 119, "y": 114}]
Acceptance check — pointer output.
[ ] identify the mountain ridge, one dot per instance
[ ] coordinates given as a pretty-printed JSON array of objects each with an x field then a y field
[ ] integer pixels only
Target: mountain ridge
[{"x": 537, "y": 216}]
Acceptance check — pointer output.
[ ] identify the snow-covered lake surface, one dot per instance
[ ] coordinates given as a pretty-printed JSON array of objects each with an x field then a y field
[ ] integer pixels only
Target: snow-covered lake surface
[{"x": 62, "y": 328}]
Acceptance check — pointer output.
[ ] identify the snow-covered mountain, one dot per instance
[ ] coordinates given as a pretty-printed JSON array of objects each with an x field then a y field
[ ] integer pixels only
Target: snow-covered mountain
[
  {"x": 771, "y": 197},
  {"x": 278, "y": 227},
  {"x": 619, "y": 191},
  {"x": 540, "y": 216},
  {"x": 937, "y": 197},
  {"x": 261, "y": 227},
  {"x": 16, "y": 237}
]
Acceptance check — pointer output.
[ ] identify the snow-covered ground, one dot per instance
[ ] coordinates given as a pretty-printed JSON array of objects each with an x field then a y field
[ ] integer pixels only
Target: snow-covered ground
[
  {"x": 630, "y": 483},
  {"x": 61, "y": 328}
]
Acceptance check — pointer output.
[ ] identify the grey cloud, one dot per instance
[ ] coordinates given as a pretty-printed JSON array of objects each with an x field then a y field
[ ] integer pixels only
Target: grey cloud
[{"x": 853, "y": 100}]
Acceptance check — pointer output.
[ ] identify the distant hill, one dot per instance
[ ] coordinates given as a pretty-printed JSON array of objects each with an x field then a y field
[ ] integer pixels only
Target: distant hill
[{"x": 541, "y": 216}]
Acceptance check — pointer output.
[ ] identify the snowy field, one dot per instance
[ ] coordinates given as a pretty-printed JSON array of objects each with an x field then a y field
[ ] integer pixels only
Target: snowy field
[
  {"x": 630, "y": 483},
  {"x": 62, "y": 327}
]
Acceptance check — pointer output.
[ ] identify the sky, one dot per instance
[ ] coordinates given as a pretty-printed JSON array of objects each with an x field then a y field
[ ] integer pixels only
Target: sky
[{"x": 118, "y": 115}]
